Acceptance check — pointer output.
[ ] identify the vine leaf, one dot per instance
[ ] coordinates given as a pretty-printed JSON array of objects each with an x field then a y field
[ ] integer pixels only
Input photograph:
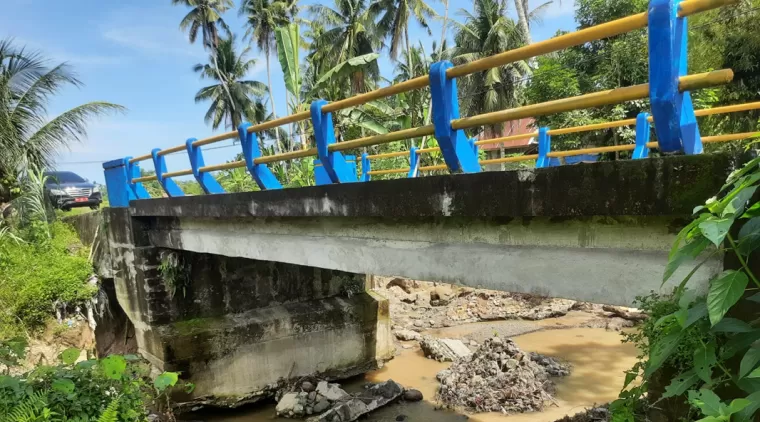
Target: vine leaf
[
  {"x": 745, "y": 415},
  {"x": 680, "y": 384},
  {"x": 732, "y": 325},
  {"x": 165, "y": 380},
  {"x": 63, "y": 385},
  {"x": 70, "y": 355},
  {"x": 114, "y": 366},
  {"x": 749, "y": 236},
  {"x": 687, "y": 253},
  {"x": 704, "y": 360},
  {"x": 754, "y": 298},
  {"x": 749, "y": 361},
  {"x": 737, "y": 204},
  {"x": 716, "y": 229},
  {"x": 707, "y": 401},
  {"x": 661, "y": 350},
  {"x": 696, "y": 312},
  {"x": 754, "y": 374},
  {"x": 724, "y": 292},
  {"x": 738, "y": 343}
]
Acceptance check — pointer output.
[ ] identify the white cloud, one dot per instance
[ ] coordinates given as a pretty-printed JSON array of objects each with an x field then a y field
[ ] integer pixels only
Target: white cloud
[
  {"x": 557, "y": 9},
  {"x": 153, "y": 40}
]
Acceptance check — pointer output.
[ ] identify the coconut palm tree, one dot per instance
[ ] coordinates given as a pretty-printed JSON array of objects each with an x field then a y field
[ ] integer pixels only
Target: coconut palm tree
[
  {"x": 263, "y": 16},
  {"x": 394, "y": 22},
  {"x": 348, "y": 31},
  {"x": 232, "y": 98},
  {"x": 486, "y": 32},
  {"x": 28, "y": 138},
  {"x": 205, "y": 16}
]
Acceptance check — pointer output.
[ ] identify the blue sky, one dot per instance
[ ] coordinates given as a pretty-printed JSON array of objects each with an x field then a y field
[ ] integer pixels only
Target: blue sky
[{"x": 132, "y": 53}]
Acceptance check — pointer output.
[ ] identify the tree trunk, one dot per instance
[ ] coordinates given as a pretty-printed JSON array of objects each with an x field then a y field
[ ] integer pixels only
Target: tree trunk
[
  {"x": 522, "y": 20},
  {"x": 410, "y": 69},
  {"x": 277, "y": 145}
]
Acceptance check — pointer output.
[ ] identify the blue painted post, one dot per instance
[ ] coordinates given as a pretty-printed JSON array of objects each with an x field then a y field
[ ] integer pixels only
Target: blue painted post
[
  {"x": 133, "y": 172},
  {"x": 206, "y": 180},
  {"x": 334, "y": 164},
  {"x": 251, "y": 151},
  {"x": 676, "y": 127},
  {"x": 366, "y": 168},
  {"x": 457, "y": 151},
  {"x": 117, "y": 183},
  {"x": 159, "y": 164},
  {"x": 643, "y": 134},
  {"x": 544, "y": 147},
  {"x": 414, "y": 163}
]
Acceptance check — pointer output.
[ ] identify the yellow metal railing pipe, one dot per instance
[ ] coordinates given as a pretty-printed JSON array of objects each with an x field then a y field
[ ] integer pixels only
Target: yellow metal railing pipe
[
  {"x": 728, "y": 109},
  {"x": 141, "y": 158},
  {"x": 386, "y": 155},
  {"x": 383, "y": 139},
  {"x": 391, "y": 171},
  {"x": 171, "y": 150},
  {"x": 596, "y": 99},
  {"x": 730, "y": 137},
  {"x": 506, "y": 138},
  {"x": 588, "y": 128},
  {"x": 428, "y": 150},
  {"x": 144, "y": 179},
  {"x": 177, "y": 173},
  {"x": 285, "y": 156}
]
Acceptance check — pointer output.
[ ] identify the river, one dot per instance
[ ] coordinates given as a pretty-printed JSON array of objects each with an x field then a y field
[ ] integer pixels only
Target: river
[{"x": 597, "y": 356}]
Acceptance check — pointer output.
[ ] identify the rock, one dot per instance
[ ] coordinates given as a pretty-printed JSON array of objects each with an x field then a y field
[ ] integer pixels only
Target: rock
[
  {"x": 473, "y": 343},
  {"x": 617, "y": 324},
  {"x": 287, "y": 404},
  {"x": 312, "y": 396},
  {"x": 552, "y": 366},
  {"x": 412, "y": 395},
  {"x": 418, "y": 324},
  {"x": 551, "y": 308},
  {"x": 444, "y": 350},
  {"x": 626, "y": 313},
  {"x": 331, "y": 392},
  {"x": 403, "y": 283},
  {"x": 401, "y": 418},
  {"x": 307, "y": 387},
  {"x": 407, "y": 335},
  {"x": 321, "y": 405}
]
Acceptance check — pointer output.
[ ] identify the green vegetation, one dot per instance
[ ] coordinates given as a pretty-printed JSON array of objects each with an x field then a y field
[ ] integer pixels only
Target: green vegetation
[
  {"x": 115, "y": 388},
  {"x": 701, "y": 354}
]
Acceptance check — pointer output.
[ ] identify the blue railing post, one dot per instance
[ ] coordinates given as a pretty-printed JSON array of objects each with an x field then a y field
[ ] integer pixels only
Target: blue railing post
[
  {"x": 456, "y": 150},
  {"x": 159, "y": 164},
  {"x": 206, "y": 180},
  {"x": 119, "y": 174},
  {"x": 251, "y": 151},
  {"x": 414, "y": 163},
  {"x": 643, "y": 134},
  {"x": 366, "y": 168},
  {"x": 675, "y": 122},
  {"x": 544, "y": 147},
  {"x": 333, "y": 163}
]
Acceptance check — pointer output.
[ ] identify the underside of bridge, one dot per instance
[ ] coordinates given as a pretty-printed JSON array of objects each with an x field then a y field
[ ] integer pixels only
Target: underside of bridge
[
  {"x": 248, "y": 287},
  {"x": 595, "y": 232}
]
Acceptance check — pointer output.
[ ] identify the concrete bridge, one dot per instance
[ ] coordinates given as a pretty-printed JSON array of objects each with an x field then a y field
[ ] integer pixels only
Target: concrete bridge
[{"x": 244, "y": 291}]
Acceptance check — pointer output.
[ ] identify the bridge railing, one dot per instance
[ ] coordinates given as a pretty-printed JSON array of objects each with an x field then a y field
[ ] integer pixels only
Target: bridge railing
[
  {"x": 668, "y": 91},
  {"x": 544, "y": 156}
]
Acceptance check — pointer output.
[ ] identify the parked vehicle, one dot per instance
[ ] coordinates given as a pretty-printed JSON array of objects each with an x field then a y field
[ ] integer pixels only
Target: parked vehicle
[{"x": 68, "y": 190}]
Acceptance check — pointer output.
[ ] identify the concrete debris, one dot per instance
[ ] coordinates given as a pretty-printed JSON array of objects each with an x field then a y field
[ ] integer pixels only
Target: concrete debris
[
  {"x": 373, "y": 397},
  {"x": 330, "y": 403},
  {"x": 407, "y": 335},
  {"x": 499, "y": 377},
  {"x": 631, "y": 314},
  {"x": 595, "y": 414},
  {"x": 552, "y": 366},
  {"x": 444, "y": 350},
  {"x": 552, "y": 308}
]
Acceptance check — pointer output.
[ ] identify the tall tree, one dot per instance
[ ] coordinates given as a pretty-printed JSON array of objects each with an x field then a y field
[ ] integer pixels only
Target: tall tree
[
  {"x": 206, "y": 17},
  {"x": 27, "y": 136},
  {"x": 486, "y": 32},
  {"x": 349, "y": 31},
  {"x": 263, "y": 16},
  {"x": 228, "y": 68}
]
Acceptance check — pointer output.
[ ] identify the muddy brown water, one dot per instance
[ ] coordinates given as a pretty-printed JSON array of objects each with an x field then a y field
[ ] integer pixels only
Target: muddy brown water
[{"x": 597, "y": 355}]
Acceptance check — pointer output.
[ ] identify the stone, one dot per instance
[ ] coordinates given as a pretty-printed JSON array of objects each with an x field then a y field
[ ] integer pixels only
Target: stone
[
  {"x": 312, "y": 396},
  {"x": 307, "y": 387},
  {"x": 287, "y": 403},
  {"x": 321, "y": 406},
  {"x": 401, "y": 418},
  {"x": 373, "y": 397},
  {"x": 407, "y": 335},
  {"x": 444, "y": 350},
  {"x": 412, "y": 395},
  {"x": 331, "y": 392},
  {"x": 548, "y": 309},
  {"x": 404, "y": 284}
]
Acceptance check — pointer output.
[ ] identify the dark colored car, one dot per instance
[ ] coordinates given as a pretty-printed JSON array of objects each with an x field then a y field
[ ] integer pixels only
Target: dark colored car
[{"x": 68, "y": 190}]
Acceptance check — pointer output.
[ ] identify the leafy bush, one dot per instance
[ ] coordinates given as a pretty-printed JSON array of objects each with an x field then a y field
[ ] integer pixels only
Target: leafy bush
[
  {"x": 706, "y": 349},
  {"x": 116, "y": 388},
  {"x": 34, "y": 275}
]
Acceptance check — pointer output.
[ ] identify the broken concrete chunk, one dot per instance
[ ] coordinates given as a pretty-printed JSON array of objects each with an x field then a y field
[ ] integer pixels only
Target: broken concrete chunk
[
  {"x": 407, "y": 335},
  {"x": 444, "y": 350}
]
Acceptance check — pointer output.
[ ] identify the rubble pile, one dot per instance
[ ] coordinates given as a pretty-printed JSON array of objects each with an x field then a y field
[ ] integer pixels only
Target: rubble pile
[
  {"x": 329, "y": 403},
  {"x": 499, "y": 377}
]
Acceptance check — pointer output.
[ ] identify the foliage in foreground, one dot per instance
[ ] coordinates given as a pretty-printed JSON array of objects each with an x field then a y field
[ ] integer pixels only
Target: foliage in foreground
[
  {"x": 706, "y": 347},
  {"x": 115, "y": 388},
  {"x": 35, "y": 275}
]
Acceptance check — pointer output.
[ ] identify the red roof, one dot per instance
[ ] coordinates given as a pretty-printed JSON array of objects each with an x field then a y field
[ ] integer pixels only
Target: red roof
[{"x": 510, "y": 128}]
